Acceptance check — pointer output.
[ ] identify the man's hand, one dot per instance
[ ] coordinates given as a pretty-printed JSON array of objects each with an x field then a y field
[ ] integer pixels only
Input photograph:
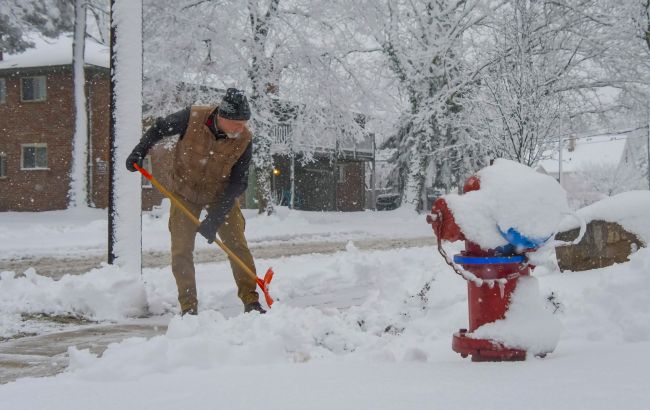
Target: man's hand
[
  {"x": 209, "y": 227},
  {"x": 136, "y": 156}
]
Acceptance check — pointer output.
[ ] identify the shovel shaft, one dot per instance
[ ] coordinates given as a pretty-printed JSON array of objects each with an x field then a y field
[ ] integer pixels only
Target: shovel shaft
[{"x": 195, "y": 220}]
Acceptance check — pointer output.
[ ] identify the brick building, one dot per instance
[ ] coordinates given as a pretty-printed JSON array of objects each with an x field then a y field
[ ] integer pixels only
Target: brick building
[{"x": 37, "y": 126}]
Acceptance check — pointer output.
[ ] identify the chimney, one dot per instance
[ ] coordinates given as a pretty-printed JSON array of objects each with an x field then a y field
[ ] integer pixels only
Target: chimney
[{"x": 572, "y": 143}]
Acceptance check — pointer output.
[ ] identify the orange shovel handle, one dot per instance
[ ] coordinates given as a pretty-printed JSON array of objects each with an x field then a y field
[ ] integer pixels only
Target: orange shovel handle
[{"x": 262, "y": 283}]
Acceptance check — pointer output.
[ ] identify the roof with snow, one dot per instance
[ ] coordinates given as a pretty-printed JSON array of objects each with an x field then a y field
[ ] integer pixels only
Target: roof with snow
[
  {"x": 56, "y": 51},
  {"x": 604, "y": 149}
]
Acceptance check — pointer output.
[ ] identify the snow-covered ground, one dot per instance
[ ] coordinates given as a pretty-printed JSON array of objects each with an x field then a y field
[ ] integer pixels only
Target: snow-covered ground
[{"x": 347, "y": 331}]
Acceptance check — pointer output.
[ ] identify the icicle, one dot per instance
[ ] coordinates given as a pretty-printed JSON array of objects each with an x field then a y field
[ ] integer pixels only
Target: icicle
[{"x": 502, "y": 287}]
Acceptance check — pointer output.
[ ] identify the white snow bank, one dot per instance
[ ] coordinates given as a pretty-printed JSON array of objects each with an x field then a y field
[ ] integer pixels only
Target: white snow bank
[
  {"x": 382, "y": 320},
  {"x": 512, "y": 195},
  {"x": 608, "y": 304},
  {"x": 390, "y": 324},
  {"x": 284, "y": 335},
  {"x": 528, "y": 325},
  {"x": 103, "y": 294},
  {"x": 629, "y": 209},
  {"x": 329, "y": 281}
]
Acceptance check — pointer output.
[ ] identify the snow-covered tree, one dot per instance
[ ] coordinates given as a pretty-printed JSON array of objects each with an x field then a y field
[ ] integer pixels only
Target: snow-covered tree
[
  {"x": 18, "y": 18},
  {"x": 422, "y": 43},
  {"x": 552, "y": 68},
  {"x": 286, "y": 54},
  {"x": 98, "y": 24},
  {"x": 627, "y": 26},
  {"x": 78, "y": 195}
]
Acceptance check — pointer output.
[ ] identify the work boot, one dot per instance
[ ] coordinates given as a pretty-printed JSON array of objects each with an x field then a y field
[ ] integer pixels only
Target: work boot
[
  {"x": 190, "y": 311},
  {"x": 254, "y": 306}
]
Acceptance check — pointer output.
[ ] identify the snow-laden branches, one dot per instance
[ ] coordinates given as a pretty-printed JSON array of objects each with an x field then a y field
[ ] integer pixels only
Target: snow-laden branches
[
  {"x": 21, "y": 17},
  {"x": 548, "y": 68}
]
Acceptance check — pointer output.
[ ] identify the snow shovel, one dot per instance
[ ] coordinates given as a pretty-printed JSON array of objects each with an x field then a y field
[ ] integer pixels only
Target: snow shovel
[{"x": 262, "y": 283}]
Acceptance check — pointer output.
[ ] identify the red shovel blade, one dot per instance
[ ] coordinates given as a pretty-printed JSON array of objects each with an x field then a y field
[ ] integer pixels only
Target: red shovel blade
[{"x": 264, "y": 285}]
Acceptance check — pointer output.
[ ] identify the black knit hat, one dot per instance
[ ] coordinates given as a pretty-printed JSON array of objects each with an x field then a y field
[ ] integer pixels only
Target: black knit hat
[{"x": 234, "y": 106}]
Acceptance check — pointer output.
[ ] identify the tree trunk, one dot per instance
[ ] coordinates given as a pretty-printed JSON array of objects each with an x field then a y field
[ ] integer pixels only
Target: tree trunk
[
  {"x": 414, "y": 186},
  {"x": 78, "y": 196},
  {"x": 264, "y": 197},
  {"x": 263, "y": 161}
]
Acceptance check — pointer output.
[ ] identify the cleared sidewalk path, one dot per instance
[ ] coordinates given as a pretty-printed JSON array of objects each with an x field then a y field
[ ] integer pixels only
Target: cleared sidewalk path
[{"x": 74, "y": 265}]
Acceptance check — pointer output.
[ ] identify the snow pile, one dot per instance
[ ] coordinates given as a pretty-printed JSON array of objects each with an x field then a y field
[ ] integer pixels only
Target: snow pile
[
  {"x": 391, "y": 324},
  {"x": 528, "y": 325},
  {"x": 512, "y": 195},
  {"x": 603, "y": 305},
  {"x": 631, "y": 210},
  {"x": 284, "y": 335},
  {"x": 101, "y": 294}
]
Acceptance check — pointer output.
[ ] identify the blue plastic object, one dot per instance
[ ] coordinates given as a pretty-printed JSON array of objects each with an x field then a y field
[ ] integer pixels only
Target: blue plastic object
[
  {"x": 488, "y": 260},
  {"x": 519, "y": 241}
]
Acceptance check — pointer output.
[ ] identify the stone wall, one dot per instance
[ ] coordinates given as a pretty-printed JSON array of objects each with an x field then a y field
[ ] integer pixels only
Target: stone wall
[{"x": 604, "y": 244}]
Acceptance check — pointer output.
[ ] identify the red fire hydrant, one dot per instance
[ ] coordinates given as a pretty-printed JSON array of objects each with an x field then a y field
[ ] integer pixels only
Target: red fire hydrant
[{"x": 491, "y": 276}]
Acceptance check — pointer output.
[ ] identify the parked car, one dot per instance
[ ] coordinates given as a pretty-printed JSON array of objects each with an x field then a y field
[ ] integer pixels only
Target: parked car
[{"x": 387, "y": 202}]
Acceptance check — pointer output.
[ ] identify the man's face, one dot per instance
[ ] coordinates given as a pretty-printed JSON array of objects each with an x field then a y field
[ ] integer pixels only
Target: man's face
[{"x": 232, "y": 128}]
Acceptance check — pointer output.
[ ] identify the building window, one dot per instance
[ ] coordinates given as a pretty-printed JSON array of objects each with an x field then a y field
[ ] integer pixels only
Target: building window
[
  {"x": 3, "y": 165},
  {"x": 33, "y": 156},
  {"x": 342, "y": 173},
  {"x": 3, "y": 91},
  {"x": 32, "y": 88},
  {"x": 146, "y": 164}
]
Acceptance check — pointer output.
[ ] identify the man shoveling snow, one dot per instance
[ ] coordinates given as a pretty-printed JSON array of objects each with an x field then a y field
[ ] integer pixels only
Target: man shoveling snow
[{"x": 210, "y": 171}]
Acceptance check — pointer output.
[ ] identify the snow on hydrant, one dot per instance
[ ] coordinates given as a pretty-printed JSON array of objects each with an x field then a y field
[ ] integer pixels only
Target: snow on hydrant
[{"x": 507, "y": 211}]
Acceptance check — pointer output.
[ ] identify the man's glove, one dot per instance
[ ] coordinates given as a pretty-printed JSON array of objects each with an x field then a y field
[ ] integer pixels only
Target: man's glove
[
  {"x": 209, "y": 227},
  {"x": 136, "y": 156}
]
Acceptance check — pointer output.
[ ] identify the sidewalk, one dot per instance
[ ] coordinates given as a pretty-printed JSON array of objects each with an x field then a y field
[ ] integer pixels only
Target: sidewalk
[
  {"x": 56, "y": 267},
  {"x": 46, "y": 355}
]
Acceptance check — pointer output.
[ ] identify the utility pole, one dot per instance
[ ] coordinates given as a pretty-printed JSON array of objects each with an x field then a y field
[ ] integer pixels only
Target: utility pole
[{"x": 125, "y": 128}]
